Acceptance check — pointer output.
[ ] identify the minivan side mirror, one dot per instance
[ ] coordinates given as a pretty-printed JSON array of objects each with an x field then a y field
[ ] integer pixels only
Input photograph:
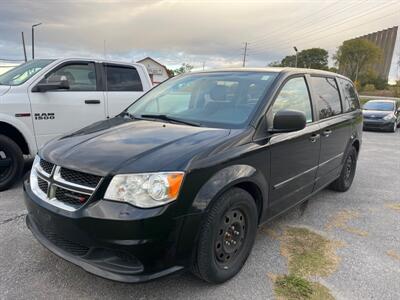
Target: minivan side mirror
[
  {"x": 288, "y": 120},
  {"x": 42, "y": 87}
]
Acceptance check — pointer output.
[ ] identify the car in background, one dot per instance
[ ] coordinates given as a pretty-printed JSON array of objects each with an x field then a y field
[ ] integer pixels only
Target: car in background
[
  {"x": 45, "y": 98},
  {"x": 381, "y": 114}
]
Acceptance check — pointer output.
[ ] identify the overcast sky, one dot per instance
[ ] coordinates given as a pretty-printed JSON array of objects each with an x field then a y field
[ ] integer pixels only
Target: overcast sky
[{"x": 190, "y": 31}]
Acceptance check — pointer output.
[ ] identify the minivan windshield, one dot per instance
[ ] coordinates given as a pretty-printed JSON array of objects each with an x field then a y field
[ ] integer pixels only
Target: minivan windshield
[
  {"x": 23, "y": 72},
  {"x": 215, "y": 99},
  {"x": 377, "y": 105}
]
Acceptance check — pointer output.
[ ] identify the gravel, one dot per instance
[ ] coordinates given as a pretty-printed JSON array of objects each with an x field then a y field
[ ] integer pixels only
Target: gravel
[{"x": 366, "y": 271}]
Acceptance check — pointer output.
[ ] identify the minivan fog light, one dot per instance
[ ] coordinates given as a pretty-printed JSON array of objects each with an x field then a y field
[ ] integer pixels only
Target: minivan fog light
[{"x": 145, "y": 190}]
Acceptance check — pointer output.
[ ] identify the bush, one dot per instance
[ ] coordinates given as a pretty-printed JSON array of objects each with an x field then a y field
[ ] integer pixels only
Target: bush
[{"x": 369, "y": 88}]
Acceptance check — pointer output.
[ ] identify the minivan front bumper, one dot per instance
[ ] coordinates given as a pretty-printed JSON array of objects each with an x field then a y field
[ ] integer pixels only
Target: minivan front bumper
[{"x": 137, "y": 246}]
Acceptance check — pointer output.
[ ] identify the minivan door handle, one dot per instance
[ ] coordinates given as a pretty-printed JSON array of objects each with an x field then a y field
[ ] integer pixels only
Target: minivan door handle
[
  {"x": 327, "y": 132},
  {"x": 314, "y": 137},
  {"x": 92, "y": 101}
]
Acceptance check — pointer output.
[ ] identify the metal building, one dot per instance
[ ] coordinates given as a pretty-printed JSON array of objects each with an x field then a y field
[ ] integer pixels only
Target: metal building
[{"x": 386, "y": 40}]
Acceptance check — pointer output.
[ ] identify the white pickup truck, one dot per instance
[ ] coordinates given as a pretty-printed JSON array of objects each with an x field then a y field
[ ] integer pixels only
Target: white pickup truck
[{"x": 44, "y": 98}]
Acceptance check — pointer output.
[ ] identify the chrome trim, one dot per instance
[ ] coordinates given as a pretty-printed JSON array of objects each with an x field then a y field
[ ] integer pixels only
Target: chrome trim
[
  {"x": 332, "y": 158},
  {"x": 54, "y": 181},
  {"x": 71, "y": 190},
  {"x": 283, "y": 183},
  {"x": 58, "y": 178}
]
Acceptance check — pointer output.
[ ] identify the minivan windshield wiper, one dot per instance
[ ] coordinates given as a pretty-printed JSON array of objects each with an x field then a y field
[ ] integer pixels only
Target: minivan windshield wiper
[{"x": 169, "y": 118}]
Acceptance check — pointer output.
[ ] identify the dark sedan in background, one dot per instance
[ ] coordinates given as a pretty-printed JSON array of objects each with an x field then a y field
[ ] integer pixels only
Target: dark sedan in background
[{"x": 381, "y": 114}]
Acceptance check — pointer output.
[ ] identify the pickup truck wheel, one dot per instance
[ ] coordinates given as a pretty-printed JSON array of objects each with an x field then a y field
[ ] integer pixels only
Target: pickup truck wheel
[
  {"x": 345, "y": 180},
  {"x": 226, "y": 237},
  {"x": 11, "y": 162}
]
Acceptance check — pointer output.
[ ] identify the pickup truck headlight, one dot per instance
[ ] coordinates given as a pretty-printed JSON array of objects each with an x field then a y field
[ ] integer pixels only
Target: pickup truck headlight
[
  {"x": 145, "y": 190},
  {"x": 388, "y": 117}
]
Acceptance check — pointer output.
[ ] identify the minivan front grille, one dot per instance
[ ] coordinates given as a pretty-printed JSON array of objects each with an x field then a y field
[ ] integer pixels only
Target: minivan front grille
[
  {"x": 73, "y": 198},
  {"x": 43, "y": 185},
  {"x": 46, "y": 166},
  {"x": 62, "y": 187},
  {"x": 80, "y": 178}
]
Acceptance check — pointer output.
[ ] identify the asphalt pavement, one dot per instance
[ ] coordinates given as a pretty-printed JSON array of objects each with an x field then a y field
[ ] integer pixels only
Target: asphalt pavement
[{"x": 365, "y": 220}]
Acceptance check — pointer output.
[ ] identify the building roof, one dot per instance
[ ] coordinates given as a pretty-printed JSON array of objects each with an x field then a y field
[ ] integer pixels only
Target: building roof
[{"x": 148, "y": 57}]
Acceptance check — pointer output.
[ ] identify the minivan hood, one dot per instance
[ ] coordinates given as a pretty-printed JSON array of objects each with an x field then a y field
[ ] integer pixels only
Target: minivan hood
[
  {"x": 4, "y": 89},
  {"x": 119, "y": 145}
]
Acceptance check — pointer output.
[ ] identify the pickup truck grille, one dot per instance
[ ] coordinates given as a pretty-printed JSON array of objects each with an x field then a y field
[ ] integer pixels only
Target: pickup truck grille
[{"x": 62, "y": 187}]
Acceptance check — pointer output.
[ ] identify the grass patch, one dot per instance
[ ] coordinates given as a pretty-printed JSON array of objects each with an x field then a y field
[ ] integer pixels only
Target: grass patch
[
  {"x": 308, "y": 253},
  {"x": 394, "y": 206},
  {"x": 292, "y": 287},
  {"x": 393, "y": 254},
  {"x": 341, "y": 219}
]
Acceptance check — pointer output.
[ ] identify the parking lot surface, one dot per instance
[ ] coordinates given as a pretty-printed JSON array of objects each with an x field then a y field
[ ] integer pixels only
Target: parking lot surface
[{"x": 365, "y": 221}]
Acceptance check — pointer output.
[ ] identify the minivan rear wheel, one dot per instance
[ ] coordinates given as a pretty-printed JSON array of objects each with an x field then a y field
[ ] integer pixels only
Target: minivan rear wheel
[
  {"x": 226, "y": 237},
  {"x": 11, "y": 162},
  {"x": 346, "y": 177}
]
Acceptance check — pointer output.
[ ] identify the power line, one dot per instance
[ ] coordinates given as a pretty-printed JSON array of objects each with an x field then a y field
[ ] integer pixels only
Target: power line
[
  {"x": 346, "y": 20},
  {"x": 312, "y": 33},
  {"x": 312, "y": 23}
]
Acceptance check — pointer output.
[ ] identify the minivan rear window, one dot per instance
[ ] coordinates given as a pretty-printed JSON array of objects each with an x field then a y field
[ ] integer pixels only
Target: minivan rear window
[{"x": 327, "y": 96}]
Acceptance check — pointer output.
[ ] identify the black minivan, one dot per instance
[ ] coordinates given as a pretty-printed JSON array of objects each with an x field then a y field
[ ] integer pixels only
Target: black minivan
[{"x": 184, "y": 176}]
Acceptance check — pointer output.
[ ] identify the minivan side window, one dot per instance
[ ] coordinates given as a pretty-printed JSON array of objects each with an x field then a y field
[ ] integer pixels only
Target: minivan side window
[
  {"x": 327, "y": 96},
  {"x": 294, "y": 95},
  {"x": 80, "y": 76},
  {"x": 123, "y": 79},
  {"x": 350, "y": 97}
]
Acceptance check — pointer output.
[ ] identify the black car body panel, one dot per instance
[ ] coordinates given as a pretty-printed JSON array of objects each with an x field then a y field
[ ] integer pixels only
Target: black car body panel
[{"x": 279, "y": 170}]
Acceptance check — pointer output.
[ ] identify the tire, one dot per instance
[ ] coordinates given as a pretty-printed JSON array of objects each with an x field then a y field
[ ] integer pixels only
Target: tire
[
  {"x": 226, "y": 237},
  {"x": 343, "y": 183},
  {"x": 11, "y": 162}
]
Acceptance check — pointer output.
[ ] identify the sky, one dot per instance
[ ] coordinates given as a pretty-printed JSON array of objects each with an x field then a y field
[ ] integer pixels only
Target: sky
[{"x": 198, "y": 32}]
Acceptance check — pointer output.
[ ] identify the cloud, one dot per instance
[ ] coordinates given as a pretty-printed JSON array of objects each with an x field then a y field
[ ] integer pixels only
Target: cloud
[{"x": 184, "y": 31}]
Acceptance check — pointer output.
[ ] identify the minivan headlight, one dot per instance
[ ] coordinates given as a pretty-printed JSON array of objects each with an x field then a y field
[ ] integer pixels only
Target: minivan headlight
[
  {"x": 145, "y": 190},
  {"x": 388, "y": 117}
]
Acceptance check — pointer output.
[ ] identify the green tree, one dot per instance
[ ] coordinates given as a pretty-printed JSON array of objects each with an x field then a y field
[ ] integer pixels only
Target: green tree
[
  {"x": 185, "y": 68},
  {"x": 314, "y": 58},
  {"x": 357, "y": 56},
  {"x": 275, "y": 63}
]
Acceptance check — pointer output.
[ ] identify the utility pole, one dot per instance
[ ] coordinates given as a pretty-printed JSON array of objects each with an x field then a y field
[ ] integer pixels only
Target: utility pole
[
  {"x": 33, "y": 39},
  {"x": 245, "y": 54},
  {"x": 204, "y": 64},
  {"x": 23, "y": 45}
]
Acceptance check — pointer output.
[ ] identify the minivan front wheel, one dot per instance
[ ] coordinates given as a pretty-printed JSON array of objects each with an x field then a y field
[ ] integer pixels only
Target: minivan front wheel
[
  {"x": 346, "y": 177},
  {"x": 226, "y": 237},
  {"x": 11, "y": 162}
]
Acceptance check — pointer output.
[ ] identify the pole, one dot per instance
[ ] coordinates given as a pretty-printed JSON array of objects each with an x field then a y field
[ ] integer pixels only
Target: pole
[
  {"x": 244, "y": 54},
  {"x": 204, "y": 64},
  {"x": 23, "y": 45},
  {"x": 33, "y": 39},
  {"x": 33, "y": 42}
]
